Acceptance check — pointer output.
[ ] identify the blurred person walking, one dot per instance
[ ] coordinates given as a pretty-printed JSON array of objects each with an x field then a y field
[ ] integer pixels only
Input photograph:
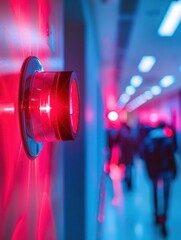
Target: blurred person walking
[
  {"x": 159, "y": 150},
  {"x": 128, "y": 149},
  {"x": 113, "y": 147}
]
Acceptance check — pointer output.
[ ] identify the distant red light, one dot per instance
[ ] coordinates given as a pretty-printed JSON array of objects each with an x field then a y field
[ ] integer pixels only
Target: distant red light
[
  {"x": 113, "y": 116},
  {"x": 168, "y": 132},
  {"x": 153, "y": 117}
]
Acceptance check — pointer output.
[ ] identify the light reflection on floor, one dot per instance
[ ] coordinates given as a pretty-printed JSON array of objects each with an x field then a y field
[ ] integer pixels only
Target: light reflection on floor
[{"x": 131, "y": 218}]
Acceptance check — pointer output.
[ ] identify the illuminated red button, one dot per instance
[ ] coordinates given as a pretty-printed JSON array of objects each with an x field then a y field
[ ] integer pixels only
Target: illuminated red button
[{"x": 54, "y": 106}]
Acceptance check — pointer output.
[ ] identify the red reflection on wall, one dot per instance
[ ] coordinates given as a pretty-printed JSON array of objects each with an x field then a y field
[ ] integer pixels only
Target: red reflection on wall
[
  {"x": 21, "y": 231},
  {"x": 45, "y": 227},
  {"x": 27, "y": 28}
]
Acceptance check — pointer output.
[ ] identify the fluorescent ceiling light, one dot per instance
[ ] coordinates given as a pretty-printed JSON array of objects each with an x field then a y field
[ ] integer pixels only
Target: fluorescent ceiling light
[
  {"x": 140, "y": 100},
  {"x": 124, "y": 98},
  {"x": 167, "y": 81},
  {"x": 136, "y": 81},
  {"x": 155, "y": 90},
  {"x": 130, "y": 90},
  {"x": 171, "y": 19},
  {"x": 146, "y": 63},
  {"x": 135, "y": 103},
  {"x": 148, "y": 95}
]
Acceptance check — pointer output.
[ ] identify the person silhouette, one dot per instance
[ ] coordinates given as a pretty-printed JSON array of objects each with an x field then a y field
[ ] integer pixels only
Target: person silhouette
[
  {"x": 159, "y": 149},
  {"x": 127, "y": 145}
]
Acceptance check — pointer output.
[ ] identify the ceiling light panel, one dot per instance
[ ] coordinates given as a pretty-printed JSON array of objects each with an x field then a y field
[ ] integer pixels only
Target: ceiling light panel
[
  {"x": 146, "y": 63},
  {"x": 148, "y": 95},
  {"x": 130, "y": 90},
  {"x": 124, "y": 98},
  {"x": 167, "y": 81},
  {"x": 136, "y": 81},
  {"x": 171, "y": 20},
  {"x": 156, "y": 90}
]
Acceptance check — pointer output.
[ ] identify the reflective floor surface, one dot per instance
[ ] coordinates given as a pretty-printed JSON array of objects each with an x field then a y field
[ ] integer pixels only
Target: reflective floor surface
[{"x": 128, "y": 215}]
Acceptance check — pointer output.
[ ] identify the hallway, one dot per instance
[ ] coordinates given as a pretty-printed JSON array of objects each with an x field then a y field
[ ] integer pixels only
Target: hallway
[{"x": 129, "y": 215}]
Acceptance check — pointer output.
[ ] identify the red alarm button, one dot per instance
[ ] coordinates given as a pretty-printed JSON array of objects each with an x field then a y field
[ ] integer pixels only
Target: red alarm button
[
  {"x": 50, "y": 106},
  {"x": 54, "y": 106}
]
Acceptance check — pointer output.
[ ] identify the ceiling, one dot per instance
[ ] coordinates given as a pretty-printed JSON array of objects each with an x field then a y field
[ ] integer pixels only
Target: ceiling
[{"x": 126, "y": 31}]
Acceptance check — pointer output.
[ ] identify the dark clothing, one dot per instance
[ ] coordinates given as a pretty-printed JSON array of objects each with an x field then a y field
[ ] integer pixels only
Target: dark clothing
[
  {"x": 113, "y": 138},
  {"x": 121, "y": 150},
  {"x": 161, "y": 207},
  {"x": 143, "y": 131},
  {"x": 113, "y": 141},
  {"x": 159, "y": 156},
  {"x": 159, "y": 150},
  {"x": 127, "y": 145}
]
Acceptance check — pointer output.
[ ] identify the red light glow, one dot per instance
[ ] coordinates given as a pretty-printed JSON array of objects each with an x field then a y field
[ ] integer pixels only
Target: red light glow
[
  {"x": 10, "y": 109},
  {"x": 27, "y": 28},
  {"x": 153, "y": 117},
  {"x": 40, "y": 107},
  {"x": 7, "y": 108},
  {"x": 45, "y": 108},
  {"x": 54, "y": 106},
  {"x": 45, "y": 228},
  {"x": 74, "y": 106},
  {"x": 168, "y": 132},
  {"x": 116, "y": 174}
]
